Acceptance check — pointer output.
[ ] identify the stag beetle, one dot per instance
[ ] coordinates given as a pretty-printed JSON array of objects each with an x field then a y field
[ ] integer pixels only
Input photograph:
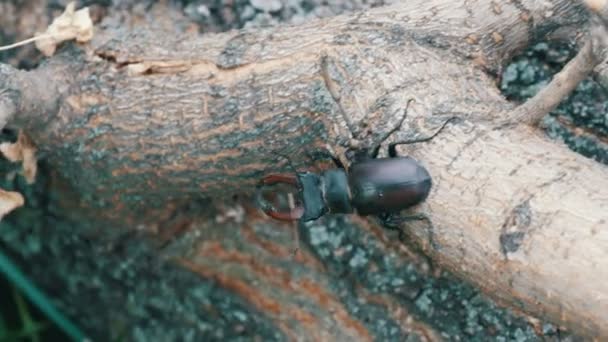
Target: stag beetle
[
  {"x": 381, "y": 187},
  {"x": 372, "y": 186}
]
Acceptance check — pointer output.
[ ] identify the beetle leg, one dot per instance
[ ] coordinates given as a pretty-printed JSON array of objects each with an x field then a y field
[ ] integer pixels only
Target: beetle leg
[
  {"x": 319, "y": 154},
  {"x": 393, "y": 221},
  {"x": 389, "y": 223},
  {"x": 392, "y": 147},
  {"x": 376, "y": 149}
]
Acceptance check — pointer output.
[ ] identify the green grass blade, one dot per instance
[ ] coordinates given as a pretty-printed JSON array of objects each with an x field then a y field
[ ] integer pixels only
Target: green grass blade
[
  {"x": 39, "y": 299},
  {"x": 30, "y": 327}
]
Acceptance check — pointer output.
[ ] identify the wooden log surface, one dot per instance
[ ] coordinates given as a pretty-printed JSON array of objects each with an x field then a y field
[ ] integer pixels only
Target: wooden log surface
[
  {"x": 141, "y": 117},
  {"x": 212, "y": 98}
]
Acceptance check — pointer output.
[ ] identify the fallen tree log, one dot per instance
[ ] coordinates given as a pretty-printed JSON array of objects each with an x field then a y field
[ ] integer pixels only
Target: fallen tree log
[{"x": 142, "y": 117}]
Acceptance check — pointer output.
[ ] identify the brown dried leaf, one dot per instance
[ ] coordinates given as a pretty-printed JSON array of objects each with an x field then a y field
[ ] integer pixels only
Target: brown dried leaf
[
  {"x": 12, "y": 151},
  {"x": 71, "y": 24},
  {"x": 30, "y": 165},
  {"x": 23, "y": 150},
  {"x": 9, "y": 201}
]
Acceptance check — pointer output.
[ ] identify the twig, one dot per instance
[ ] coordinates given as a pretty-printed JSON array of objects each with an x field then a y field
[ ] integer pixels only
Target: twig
[
  {"x": 563, "y": 83},
  {"x": 24, "y": 42}
]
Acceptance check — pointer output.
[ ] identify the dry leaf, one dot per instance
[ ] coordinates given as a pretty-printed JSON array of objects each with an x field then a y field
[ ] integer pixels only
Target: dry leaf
[
  {"x": 12, "y": 151},
  {"x": 30, "y": 164},
  {"x": 71, "y": 24},
  {"x": 9, "y": 201},
  {"x": 23, "y": 150}
]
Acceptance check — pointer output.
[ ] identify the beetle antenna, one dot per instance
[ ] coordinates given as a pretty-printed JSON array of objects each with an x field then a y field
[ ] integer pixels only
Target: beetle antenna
[
  {"x": 376, "y": 149},
  {"x": 392, "y": 147},
  {"x": 319, "y": 153}
]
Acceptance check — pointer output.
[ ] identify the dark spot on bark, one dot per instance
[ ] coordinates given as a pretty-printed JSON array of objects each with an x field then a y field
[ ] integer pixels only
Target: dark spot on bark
[
  {"x": 397, "y": 33},
  {"x": 322, "y": 101},
  {"x": 434, "y": 41},
  {"x": 382, "y": 102},
  {"x": 232, "y": 106},
  {"x": 217, "y": 91},
  {"x": 511, "y": 281},
  {"x": 554, "y": 180},
  {"x": 233, "y": 52},
  {"x": 510, "y": 242},
  {"x": 515, "y": 228},
  {"x": 343, "y": 39}
]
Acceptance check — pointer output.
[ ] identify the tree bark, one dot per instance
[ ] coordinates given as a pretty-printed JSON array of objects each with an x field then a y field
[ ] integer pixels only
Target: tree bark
[
  {"x": 212, "y": 98},
  {"x": 142, "y": 117}
]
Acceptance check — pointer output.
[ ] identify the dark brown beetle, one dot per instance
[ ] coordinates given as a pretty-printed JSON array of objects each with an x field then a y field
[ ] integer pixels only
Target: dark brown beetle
[
  {"x": 388, "y": 185},
  {"x": 374, "y": 186},
  {"x": 381, "y": 187}
]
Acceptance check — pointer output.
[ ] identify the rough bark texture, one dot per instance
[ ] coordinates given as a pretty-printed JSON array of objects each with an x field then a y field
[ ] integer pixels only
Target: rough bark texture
[
  {"x": 197, "y": 107},
  {"x": 143, "y": 117},
  {"x": 535, "y": 220}
]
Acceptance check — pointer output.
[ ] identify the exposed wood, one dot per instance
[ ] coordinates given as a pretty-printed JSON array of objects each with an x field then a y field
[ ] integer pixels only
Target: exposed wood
[
  {"x": 591, "y": 54},
  {"x": 522, "y": 219},
  {"x": 163, "y": 117},
  {"x": 562, "y": 84}
]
